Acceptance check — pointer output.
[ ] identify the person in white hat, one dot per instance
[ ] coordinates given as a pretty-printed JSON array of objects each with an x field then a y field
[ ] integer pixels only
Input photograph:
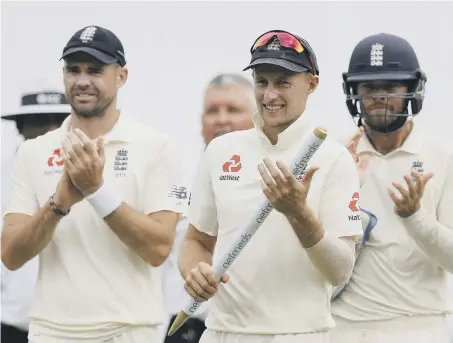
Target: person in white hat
[{"x": 39, "y": 113}]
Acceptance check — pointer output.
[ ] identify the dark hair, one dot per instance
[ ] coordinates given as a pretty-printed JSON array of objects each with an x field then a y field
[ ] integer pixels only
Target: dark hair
[{"x": 44, "y": 118}]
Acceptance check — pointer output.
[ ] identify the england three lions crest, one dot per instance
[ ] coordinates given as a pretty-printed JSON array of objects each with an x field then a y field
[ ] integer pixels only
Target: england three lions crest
[{"x": 417, "y": 166}]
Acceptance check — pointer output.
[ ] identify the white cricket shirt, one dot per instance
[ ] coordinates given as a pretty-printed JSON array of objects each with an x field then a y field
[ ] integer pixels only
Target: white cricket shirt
[
  {"x": 6, "y": 178},
  {"x": 393, "y": 277},
  {"x": 90, "y": 284},
  {"x": 274, "y": 288},
  {"x": 17, "y": 293},
  {"x": 172, "y": 282},
  {"x": 17, "y": 287}
]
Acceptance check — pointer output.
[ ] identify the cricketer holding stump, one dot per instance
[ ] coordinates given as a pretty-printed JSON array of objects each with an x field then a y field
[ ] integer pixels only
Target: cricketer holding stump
[{"x": 278, "y": 289}]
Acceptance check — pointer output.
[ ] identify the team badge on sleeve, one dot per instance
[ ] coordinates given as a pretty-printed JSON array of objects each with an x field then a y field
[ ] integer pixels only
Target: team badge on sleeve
[{"x": 178, "y": 192}]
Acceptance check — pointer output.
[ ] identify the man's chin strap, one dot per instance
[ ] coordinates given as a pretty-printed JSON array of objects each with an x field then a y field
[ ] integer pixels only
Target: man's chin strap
[{"x": 395, "y": 126}]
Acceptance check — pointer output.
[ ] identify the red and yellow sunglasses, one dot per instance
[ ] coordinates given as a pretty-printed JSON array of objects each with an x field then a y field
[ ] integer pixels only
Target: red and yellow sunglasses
[{"x": 288, "y": 41}]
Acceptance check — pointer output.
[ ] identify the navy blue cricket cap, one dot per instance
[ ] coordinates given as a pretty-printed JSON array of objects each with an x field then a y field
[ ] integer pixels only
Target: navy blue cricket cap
[
  {"x": 98, "y": 42},
  {"x": 284, "y": 49}
]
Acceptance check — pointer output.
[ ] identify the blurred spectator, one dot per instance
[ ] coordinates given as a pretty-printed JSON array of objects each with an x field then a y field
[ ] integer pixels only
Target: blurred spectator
[
  {"x": 38, "y": 114},
  {"x": 228, "y": 106}
]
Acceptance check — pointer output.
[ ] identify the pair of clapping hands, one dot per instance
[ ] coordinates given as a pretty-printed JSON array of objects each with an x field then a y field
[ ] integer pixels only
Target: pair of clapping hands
[
  {"x": 83, "y": 161},
  {"x": 408, "y": 200},
  {"x": 288, "y": 196}
]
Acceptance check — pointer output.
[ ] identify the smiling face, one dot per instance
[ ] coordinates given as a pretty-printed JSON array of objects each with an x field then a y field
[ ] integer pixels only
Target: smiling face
[
  {"x": 281, "y": 95},
  {"x": 91, "y": 86}
]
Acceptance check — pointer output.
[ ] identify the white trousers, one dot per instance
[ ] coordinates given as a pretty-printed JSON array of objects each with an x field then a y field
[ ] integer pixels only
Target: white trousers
[
  {"x": 211, "y": 336},
  {"x": 417, "y": 329},
  {"x": 130, "y": 334}
]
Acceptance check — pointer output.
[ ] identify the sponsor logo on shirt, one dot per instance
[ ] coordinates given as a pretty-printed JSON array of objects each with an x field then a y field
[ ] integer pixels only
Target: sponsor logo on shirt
[
  {"x": 54, "y": 163},
  {"x": 178, "y": 192},
  {"x": 353, "y": 206},
  {"x": 234, "y": 165}
]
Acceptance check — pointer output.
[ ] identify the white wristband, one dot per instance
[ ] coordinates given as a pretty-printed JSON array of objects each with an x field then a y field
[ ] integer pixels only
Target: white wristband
[{"x": 105, "y": 200}]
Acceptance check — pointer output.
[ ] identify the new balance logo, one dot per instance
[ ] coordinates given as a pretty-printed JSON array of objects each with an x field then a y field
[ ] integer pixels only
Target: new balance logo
[{"x": 178, "y": 192}]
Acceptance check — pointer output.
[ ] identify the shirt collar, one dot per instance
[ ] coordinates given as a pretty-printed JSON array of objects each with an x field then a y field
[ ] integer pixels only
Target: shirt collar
[
  {"x": 288, "y": 138},
  {"x": 412, "y": 145},
  {"x": 120, "y": 132}
]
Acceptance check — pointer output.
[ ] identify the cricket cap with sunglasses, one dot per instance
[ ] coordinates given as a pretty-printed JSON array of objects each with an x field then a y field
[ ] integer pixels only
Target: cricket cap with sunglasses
[
  {"x": 98, "y": 42},
  {"x": 283, "y": 49}
]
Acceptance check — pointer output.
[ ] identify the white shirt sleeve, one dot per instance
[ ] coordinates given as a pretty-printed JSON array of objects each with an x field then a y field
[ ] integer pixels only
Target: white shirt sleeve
[
  {"x": 434, "y": 236},
  {"x": 339, "y": 211},
  {"x": 444, "y": 209},
  {"x": 172, "y": 281},
  {"x": 164, "y": 188},
  {"x": 22, "y": 197},
  {"x": 202, "y": 212},
  {"x": 4, "y": 273},
  {"x": 6, "y": 178},
  {"x": 172, "y": 260}
]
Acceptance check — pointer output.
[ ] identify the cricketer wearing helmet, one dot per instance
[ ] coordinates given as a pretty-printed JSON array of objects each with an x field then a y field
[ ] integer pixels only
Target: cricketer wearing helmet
[{"x": 397, "y": 291}]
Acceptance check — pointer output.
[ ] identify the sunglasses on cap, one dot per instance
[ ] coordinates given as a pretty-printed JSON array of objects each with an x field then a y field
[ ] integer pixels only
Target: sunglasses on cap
[{"x": 288, "y": 41}]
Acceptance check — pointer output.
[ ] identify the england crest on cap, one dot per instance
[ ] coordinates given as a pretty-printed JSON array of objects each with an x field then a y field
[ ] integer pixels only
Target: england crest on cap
[
  {"x": 88, "y": 34},
  {"x": 274, "y": 45},
  {"x": 377, "y": 55}
]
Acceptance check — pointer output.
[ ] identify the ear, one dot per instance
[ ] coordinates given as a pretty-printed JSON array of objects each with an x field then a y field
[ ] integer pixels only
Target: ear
[
  {"x": 121, "y": 77},
  {"x": 313, "y": 84}
]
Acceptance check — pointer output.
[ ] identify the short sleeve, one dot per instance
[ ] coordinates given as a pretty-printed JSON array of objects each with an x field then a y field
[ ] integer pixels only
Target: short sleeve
[
  {"x": 164, "y": 188},
  {"x": 339, "y": 210},
  {"x": 22, "y": 197},
  {"x": 202, "y": 211}
]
